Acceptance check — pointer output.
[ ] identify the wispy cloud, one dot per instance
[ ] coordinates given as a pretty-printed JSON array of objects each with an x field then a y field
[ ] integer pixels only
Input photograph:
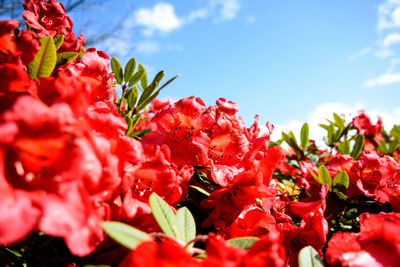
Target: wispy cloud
[
  {"x": 391, "y": 39},
  {"x": 197, "y": 14},
  {"x": 360, "y": 53},
  {"x": 388, "y": 20},
  {"x": 384, "y": 79}
]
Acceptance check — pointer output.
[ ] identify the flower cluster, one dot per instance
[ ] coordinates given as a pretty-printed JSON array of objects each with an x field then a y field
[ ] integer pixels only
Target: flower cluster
[{"x": 76, "y": 158}]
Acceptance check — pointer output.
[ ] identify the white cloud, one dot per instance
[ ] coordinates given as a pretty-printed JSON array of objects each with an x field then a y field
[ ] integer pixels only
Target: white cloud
[
  {"x": 325, "y": 111},
  {"x": 391, "y": 39},
  {"x": 228, "y": 9},
  {"x": 389, "y": 14},
  {"x": 161, "y": 18},
  {"x": 384, "y": 79},
  {"x": 147, "y": 47}
]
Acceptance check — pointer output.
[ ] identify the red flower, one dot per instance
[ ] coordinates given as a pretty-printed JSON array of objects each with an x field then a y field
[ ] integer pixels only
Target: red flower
[
  {"x": 47, "y": 18},
  {"x": 377, "y": 177},
  {"x": 19, "y": 214},
  {"x": 268, "y": 251},
  {"x": 62, "y": 168},
  {"x": 312, "y": 231},
  {"x": 72, "y": 44},
  {"x": 166, "y": 253},
  {"x": 17, "y": 49},
  {"x": 13, "y": 78},
  {"x": 94, "y": 70},
  {"x": 220, "y": 253},
  {"x": 176, "y": 126},
  {"x": 364, "y": 126},
  {"x": 227, "y": 203},
  {"x": 253, "y": 221},
  {"x": 377, "y": 243},
  {"x": 7, "y": 44}
]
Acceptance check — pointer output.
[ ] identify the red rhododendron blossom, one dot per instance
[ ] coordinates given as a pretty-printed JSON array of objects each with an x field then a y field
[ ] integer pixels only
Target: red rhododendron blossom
[
  {"x": 377, "y": 177},
  {"x": 153, "y": 174},
  {"x": 220, "y": 253},
  {"x": 19, "y": 215},
  {"x": 47, "y": 18},
  {"x": 301, "y": 208},
  {"x": 77, "y": 188},
  {"x": 72, "y": 44},
  {"x": 312, "y": 232},
  {"x": 377, "y": 244},
  {"x": 364, "y": 125},
  {"x": 66, "y": 89},
  {"x": 17, "y": 49},
  {"x": 268, "y": 251},
  {"x": 225, "y": 143},
  {"x": 7, "y": 43},
  {"x": 227, "y": 203},
  {"x": 253, "y": 221},
  {"x": 13, "y": 78},
  {"x": 94, "y": 70},
  {"x": 176, "y": 126},
  {"x": 159, "y": 254}
]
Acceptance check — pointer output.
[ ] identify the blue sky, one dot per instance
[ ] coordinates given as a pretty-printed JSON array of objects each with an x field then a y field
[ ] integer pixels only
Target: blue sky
[{"x": 287, "y": 61}]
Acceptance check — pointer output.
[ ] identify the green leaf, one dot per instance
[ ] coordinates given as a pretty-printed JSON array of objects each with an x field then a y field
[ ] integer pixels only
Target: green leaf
[
  {"x": 168, "y": 82},
  {"x": 313, "y": 175},
  {"x": 137, "y": 76},
  {"x": 130, "y": 123},
  {"x": 147, "y": 96},
  {"x": 304, "y": 135},
  {"x": 124, "y": 234},
  {"x": 164, "y": 215},
  {"x": 394, "y": 144},
  {"x": 326, "y": 127},
  {"x": 358, "y": 146},
  {"x": 82, "y": 51},
  {"x": 199, "y": 189},
  {"x": 339, "y": 121},
  {"x": 382, "y": 147},
  {"x": 324, "y": 177},
  {"x": 243, "y": 242},
  {"x": 140, "y": 133},
  {"x": 129, "y": 69},
  {"x": 309, "y": 257},
  {"x": 331, "y": 134},
  {"x": 116, "y": 69},
  {"x": 344, "y": 147},
  {"x": 131, "y": 97},
  {"x": 186, "y": 225},
  {"x": 45, "y": 60},
  {"x": 65, "y": 58},
  {"x": 143, "y": 80},
  {"x": 341, "y": 181},
  {"x": 58, "y": 40}
]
